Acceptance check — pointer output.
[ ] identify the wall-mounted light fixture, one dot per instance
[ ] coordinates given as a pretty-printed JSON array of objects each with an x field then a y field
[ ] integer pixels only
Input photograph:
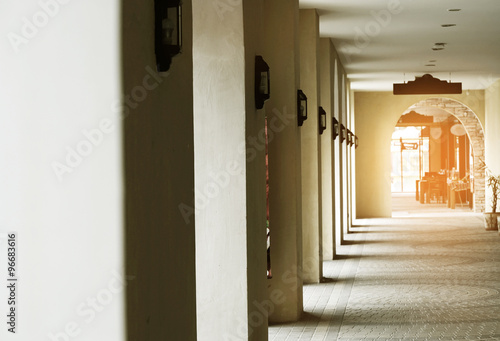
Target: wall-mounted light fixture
[
  {"x": 353, "y": 139},
  {"x": 321, "y": 120},
  {"x": 335, "y": 128},
  {"x": 262, "y": 82},
  {"x": 356, "y": 142},
  {"x": 349, "y": 137},
  {"x": 342, "y": 133},
  {"x": 168, "y": 32},
  {"x": 301, "y": 107}
]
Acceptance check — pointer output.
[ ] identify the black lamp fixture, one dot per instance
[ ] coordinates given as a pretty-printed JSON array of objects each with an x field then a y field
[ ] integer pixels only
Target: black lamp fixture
[
  {"x": 335, "y": 128},
  {"x": 342, "y": 133},
  {"x": 168, "y": 32},
  {"x": 356, "y": 142},
  {"x": 353, "y": 139},
  {"x": 301, "y": 107},
  {"x": 262, "y": 82},
  {"x": 321, "y": 120}
]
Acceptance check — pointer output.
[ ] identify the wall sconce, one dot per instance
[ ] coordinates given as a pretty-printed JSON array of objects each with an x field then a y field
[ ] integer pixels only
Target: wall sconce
[
  {"x": 349, "y": 137},
  {"x": 168, "y": 32},
  {"x": 335, "y": 128},
  {"x": 321, "y": 120},
  {"x": 353, "y": 139},
  {"x": 342, "y": 133},
  {"x": 356, "y": 142},
  {"x": 301, "y": 107},
  {"x": 262, "y": 82}
]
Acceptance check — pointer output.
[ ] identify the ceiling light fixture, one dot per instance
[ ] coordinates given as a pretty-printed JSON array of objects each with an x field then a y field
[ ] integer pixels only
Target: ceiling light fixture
[
  {"x": 426, "y": 85},
  {"x": 448, "y": 25},
  {"x": 430, "y": 64},
  {"x": 454, "y": 10},
  {"x": 438, "y": 46}
]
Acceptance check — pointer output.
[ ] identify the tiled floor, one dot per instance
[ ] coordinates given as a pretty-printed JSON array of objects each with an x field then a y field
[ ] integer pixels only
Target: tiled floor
[{"x": 429, "y": 273}]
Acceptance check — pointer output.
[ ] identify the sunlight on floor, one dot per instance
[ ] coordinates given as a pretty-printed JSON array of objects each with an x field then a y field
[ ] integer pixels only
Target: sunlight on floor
[{"x": 427, "y": 273}]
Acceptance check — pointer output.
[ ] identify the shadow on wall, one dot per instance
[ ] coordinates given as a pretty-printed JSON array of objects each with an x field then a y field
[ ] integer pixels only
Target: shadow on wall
[{"x": 157, "y": 116}]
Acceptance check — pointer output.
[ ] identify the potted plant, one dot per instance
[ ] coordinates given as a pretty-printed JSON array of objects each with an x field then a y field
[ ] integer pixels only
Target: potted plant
[{"x": 491, "y": 218}]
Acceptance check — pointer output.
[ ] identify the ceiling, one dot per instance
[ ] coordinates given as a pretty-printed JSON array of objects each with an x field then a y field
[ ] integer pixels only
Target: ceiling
[{"x": 381, "y": 42}]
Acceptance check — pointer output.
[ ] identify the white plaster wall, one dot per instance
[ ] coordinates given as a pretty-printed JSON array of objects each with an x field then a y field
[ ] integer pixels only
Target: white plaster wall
[
  {"x": 61, "y": 81},
  {"x": 376, "y": 114},
  {"x": 219, "y": 126}
]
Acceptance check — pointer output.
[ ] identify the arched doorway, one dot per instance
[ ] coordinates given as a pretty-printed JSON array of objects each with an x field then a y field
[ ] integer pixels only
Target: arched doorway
[{"x": 475, "y": 133}]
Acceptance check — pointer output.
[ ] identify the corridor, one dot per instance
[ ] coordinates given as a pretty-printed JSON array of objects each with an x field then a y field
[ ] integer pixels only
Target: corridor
[{"x": 428, "y": 273}]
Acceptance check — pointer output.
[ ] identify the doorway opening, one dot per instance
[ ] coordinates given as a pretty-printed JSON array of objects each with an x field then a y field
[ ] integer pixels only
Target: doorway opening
[
  {"x": 410, "y": 158},
  {"x": 437, "y": 148},
  {"x": 432, "y": 158}
]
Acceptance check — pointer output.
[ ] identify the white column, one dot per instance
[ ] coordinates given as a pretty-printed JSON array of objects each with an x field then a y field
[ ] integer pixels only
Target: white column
[
  {"x": 159, "y": 170},
  {"x": 280, "y": 50},
  {"x": 327, "y": 60},
  {"x": 311, "y": 148},
  {"x": 224, "y": 262}
]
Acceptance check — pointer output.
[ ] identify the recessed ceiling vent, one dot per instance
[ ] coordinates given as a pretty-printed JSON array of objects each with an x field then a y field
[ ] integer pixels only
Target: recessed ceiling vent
[{"x": 427, "y": 85}]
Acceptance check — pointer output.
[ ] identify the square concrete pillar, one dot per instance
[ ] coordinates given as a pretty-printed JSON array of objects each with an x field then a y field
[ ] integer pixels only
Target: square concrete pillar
[
  {"x": 281, "y": 51},
  {"x": 341, "y": 195},
  {"x": 230, "y": 202},
  {"x": 352, "y": 163},
  {"x": 327, "y": 77},
  {"x": 311, "y": 148},
  {"x": 338, "y": 157},
  {"x": 159, "y": 179},
  {"x": 259, "y": 304},
  {"x": 345, "y": 154}
]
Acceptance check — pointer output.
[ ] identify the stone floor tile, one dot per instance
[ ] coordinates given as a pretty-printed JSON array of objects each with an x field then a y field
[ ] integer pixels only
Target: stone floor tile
[{"x": 427, "y": 273}]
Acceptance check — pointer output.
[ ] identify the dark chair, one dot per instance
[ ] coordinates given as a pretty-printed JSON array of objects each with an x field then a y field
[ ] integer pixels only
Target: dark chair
[{"x": 437, "y": 191}]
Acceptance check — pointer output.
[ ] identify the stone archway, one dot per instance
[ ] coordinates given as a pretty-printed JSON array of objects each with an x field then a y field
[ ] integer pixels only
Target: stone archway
[{"x": 476, "y": 136}]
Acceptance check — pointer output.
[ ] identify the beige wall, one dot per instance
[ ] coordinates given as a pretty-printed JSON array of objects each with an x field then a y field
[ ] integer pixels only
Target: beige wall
[
  {"x": 492, "y": 135},
  {"x": 376, "y": 114}
]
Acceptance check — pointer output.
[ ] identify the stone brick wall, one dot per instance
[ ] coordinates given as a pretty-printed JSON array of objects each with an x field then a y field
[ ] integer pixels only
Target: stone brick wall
[{"x": 476, "y": 136}]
